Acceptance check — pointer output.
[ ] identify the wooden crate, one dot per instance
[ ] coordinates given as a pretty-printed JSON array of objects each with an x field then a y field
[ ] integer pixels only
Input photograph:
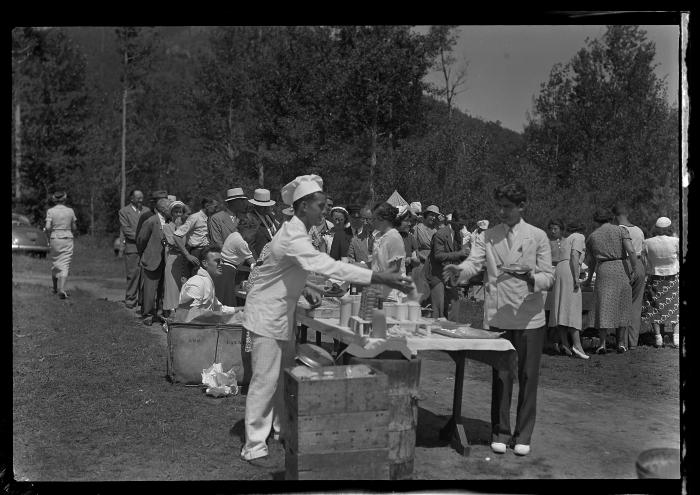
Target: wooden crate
[
  {"x": 337, "y": 423},
  {"x": 194, "y": 347}
]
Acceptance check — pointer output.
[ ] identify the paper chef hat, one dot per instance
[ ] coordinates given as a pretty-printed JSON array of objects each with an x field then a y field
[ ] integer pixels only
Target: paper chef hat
[{"x": 302, "y": 186}]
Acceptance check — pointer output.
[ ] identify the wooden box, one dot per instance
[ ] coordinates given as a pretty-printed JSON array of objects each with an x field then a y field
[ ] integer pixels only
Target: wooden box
[
  {"x": 337, "y": 423},
  {"x": 194, "y": 347}
]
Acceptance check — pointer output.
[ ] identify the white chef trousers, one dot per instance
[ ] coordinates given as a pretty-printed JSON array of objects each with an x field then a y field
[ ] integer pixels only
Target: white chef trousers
[{"x": 264, "y": 405}]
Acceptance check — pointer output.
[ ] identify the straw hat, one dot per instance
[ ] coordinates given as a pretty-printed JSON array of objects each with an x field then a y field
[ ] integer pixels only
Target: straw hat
[
  {"x": 432, "y": 209},
  {"x": 235, "y": 193},
  {"x": 261, "y": 197}
]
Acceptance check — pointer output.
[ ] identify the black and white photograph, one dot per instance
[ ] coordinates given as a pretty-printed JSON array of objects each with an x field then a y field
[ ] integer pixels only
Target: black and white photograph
[{"x": 349, "y": 252}]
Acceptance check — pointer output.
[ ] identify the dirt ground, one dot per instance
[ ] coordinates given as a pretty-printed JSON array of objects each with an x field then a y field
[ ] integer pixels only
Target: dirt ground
[{"x": 91, "y": 403}]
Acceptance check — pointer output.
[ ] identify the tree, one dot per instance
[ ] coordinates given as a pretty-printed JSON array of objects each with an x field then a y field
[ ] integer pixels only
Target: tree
[
  {"x": 602, "y": 123},
  {"x": 454, "y": 83}
]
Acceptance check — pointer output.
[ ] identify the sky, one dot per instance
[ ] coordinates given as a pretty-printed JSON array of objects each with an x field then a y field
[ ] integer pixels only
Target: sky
[{"x": 507, "y": 64}]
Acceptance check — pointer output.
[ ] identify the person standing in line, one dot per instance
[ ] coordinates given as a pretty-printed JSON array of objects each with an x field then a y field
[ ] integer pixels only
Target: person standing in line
[
  {"x": 175, "y": 264},
  {"x": 150, "y": 210},
  {"x": 555, "y": 231},
  {"x": 425, "y": 231},
  {"x": 513, "y": 304},
  {"x": 235, "y": 252},
  {"x": 270, "y": 306},
  {"x": 60, "y": 225},
  {"x": 151, "y": 243},
  {"x": 388, "y": 252},
  {"x": 446, "y": 248},
  {"x": 409, "y": 239},
  {"x": 196, "y": 230},
  {"x": 362, "y": 242},
  {"x": 567, "y": 302},
  {"x": 267, "y": 223},
  {"x": 636, "y": 235},
  {"x": 342, "y": 233},
  {"x": 661, "y": 293},
  {"x": 223, "y": 223},
  {"x": 608, "y": 246},
  {"x": 129, "y": 217}
]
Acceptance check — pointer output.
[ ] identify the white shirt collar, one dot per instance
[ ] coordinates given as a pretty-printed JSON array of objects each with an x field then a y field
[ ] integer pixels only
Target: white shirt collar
[{"x": 161, "y": 218}]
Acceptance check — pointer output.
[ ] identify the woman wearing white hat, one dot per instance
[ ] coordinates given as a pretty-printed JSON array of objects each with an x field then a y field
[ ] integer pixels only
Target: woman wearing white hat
[
  {"x": 661, "y": 292},
  {"x": 271, "y": 304},
  {"x": 175, "y": 264}
]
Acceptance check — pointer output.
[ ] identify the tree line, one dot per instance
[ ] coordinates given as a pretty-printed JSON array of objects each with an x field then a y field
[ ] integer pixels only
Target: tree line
[{"x": 99, "y": 111}]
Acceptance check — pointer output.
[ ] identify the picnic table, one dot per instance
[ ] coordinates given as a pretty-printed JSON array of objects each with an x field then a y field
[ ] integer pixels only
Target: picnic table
[{"x": 496, "y": 352}]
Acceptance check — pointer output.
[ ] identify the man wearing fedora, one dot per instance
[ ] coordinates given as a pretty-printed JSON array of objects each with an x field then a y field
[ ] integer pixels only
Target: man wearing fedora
[
  {"x": 196, "y": 230},
  {"x": 150, "y": 211},
  {"x": 268, "y": 225},
  {"x": 129, "y": 217},
  {"x": 225, "y": 222}
]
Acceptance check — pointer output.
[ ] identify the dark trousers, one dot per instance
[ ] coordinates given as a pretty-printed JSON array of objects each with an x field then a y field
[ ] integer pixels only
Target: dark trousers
[
  {"x": 225, "y": 285},
  {"x": 152, "y": 290},
  {"x": 440, "y": 298},
  {"x": 133, "y": 277},
  {"x": 528, "y": 345}
]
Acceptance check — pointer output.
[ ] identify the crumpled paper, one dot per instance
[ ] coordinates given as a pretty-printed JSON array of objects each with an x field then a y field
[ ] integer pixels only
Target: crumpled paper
[{"x": 219, "y": 384}]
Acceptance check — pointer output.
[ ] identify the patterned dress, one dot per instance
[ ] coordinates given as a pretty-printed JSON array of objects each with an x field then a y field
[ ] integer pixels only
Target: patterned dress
[
  {"x": 612, "y": 293},
  {"x": 661, "y": 292}
]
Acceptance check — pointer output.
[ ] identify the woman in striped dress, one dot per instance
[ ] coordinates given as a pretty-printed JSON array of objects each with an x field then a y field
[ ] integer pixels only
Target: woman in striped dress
[{"x": 60, "y": 225}]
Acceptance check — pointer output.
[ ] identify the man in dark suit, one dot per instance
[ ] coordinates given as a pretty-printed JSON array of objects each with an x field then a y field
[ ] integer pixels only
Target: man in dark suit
[
  {"x": 151, "y": 244},
  {"x": 150, "y": 210},
  {"x": 128, "y": 220},
  {"x": 445, "y": 248}
]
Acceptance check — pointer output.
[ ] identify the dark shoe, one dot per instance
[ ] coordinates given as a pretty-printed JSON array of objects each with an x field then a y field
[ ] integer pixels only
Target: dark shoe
[
  {"x": 600, "y": 350},
  {"x": 621, "y": 349},
  {"x": 147, "y": 321},
  {"x": 565, "y": 350},
  {"x": 62, "y": 295}
]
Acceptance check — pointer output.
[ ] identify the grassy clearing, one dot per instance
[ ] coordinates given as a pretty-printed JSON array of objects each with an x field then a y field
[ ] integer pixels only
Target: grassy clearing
[{"x": 91, "y": 401}]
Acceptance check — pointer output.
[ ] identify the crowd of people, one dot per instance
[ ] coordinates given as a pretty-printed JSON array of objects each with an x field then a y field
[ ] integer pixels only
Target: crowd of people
[{"x": 178, "y": 260}]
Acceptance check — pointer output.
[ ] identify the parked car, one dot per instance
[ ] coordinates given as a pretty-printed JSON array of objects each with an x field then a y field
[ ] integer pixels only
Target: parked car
[{"x": 26, "y": 238}]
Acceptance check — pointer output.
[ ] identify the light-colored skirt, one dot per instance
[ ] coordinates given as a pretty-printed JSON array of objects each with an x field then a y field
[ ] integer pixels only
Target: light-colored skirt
[
  {"x": 61, "y": 252},
  {"x": 175, "y": 268},
  {"x": 566, "y": 305}
]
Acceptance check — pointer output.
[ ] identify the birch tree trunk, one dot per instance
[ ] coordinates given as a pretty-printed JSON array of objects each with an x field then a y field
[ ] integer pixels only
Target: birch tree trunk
[
  {"x": 372, "y": 163},
  {"x": 18, "y": 151},
  {"x": 123, "y": 170}
]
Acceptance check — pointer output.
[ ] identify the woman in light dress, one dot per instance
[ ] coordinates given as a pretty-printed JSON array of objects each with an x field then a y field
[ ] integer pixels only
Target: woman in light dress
[
  {"x": 389, "y": 251},
  {"x": 175, "y": 264},
  {"x": 60, "y": 225},
  {"x": 566, "y": 303}
]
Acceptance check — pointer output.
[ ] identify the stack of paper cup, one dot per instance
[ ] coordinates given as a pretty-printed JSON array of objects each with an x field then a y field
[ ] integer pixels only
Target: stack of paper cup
[
  {"x": 401, "y": 311},
  {"x": 390, "y": 309},
  {"x": 413, "y": 311},
  {"x": 356, "y": 299},
  {"x": 345, "y": 309}
]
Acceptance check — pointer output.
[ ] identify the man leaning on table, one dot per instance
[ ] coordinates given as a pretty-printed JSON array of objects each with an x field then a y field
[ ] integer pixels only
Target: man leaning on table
[
  {"x": 271, "y": 304},
  {"x": 513, "y": 303}
]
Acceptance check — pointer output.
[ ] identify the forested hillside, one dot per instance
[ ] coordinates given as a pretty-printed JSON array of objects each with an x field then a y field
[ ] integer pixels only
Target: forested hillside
[{"x": 197, "y": 110}]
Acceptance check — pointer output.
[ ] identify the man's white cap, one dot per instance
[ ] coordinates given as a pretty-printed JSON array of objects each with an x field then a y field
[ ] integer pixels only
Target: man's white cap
[
  {"x": 483, "y": 224},
  {"x": 416, "y": 207},
  {"x": 663, "y": 222},
  {"x": 302, "y": 186}
]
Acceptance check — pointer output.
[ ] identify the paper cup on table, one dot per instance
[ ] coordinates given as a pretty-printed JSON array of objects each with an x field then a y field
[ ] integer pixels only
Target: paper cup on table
[
  {"x": 390, "y": 309},
  {"x": 345, "y": 310},
  {"x": 401, "y": 311},
  {"x": 413, "y": 311},
  {"x": 355, "y": 307}
]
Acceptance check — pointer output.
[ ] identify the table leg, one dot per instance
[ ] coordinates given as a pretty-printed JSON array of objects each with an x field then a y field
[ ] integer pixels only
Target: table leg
[
  {"x": 454, "y": 429},
  {"x": 318, "y": 338},
  {"x": 303, "y": 331}
]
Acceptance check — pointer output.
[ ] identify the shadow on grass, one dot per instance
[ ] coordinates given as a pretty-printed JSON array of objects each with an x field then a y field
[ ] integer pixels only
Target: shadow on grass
[
  {"x": 430, "y": 424},
  {"x": 238, "y": 430}
]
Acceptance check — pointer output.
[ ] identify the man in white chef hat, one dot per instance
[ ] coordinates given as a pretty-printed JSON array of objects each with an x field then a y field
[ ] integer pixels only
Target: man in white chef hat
[{"x": 271, "y": 303}]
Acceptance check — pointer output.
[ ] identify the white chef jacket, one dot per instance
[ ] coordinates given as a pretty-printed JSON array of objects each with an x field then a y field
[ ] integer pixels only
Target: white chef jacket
[{"x": 272, "y": 301}]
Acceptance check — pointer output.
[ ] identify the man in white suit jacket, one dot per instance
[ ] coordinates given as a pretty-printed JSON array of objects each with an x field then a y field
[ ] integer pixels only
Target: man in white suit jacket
[{"x": 514, "y": 303}]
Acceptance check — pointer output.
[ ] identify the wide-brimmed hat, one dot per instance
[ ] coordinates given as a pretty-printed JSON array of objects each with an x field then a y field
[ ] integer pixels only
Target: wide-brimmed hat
[
  {"x": 235, "y": 193},
  {"x": 261, "y": 197},
  {"x": 663, "y": 222},
  {"x": 432, "y": 209},
  {"x": 483, "y": 224},
  {"x": 174, "y": 204},
  {"x": 159, "y": 194},
  {"x": 59, "y": 195}
]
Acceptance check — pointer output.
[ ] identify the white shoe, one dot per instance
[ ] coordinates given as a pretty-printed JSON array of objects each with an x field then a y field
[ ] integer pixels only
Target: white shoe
[
  {"x": 521, "y": 449},
  {"x": 658, "y": 341},
  {"x": 580, "y": 354},
  {"x": 498, "y": 447},
  {"x": 676, "y": 340}
]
